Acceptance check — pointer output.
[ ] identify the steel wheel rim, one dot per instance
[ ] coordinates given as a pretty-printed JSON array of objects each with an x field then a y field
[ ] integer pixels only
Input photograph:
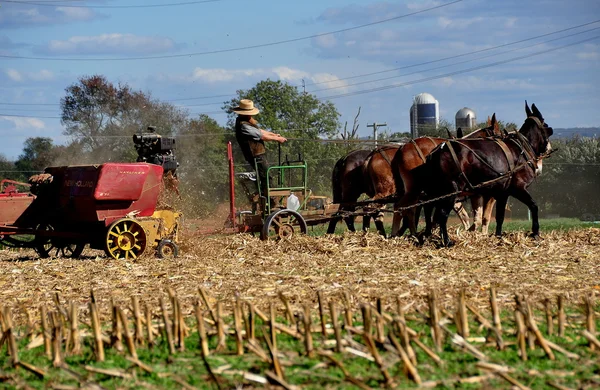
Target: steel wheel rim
[{"x": 126, "y": 239}]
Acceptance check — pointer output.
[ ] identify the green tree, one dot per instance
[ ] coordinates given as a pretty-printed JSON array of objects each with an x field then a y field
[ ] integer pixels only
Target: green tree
[
  {"x": 8, "y": 169},
  {"x": 285, "y": 109},
  {"x": 441, "y": 130},
  {"x": 101, "y": 118},
  {"x": 202, "y": 153},
  {"x": 296, "y": 115},
  {"x": 38, "y": 153}
]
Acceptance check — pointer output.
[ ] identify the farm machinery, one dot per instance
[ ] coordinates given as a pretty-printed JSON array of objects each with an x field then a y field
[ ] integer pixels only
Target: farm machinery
[
  {"x": 295, "y": 208},
  {"x": 111, "y": 206}
]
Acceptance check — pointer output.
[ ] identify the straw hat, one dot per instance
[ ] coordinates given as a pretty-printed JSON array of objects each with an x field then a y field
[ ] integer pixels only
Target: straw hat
[{"x": 246, "y": 107}]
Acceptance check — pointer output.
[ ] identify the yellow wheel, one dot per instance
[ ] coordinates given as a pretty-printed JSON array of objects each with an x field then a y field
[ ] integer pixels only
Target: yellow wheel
[{"x": 125, "y": 239}]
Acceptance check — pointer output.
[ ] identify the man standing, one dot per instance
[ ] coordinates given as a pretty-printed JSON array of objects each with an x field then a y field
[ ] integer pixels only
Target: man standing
[{"x": 252, "y": 139}]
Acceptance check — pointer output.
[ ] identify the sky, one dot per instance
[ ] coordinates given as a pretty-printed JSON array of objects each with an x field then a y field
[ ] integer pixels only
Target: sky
[{"x": 376, "y": 55}]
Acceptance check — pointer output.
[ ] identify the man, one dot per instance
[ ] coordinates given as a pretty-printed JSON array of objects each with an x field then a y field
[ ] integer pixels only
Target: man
[{"x": 252, "y": 139}]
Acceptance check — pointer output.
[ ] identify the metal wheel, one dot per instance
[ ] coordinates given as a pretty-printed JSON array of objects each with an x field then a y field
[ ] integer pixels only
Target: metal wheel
[
  {"x": 56, "y": 247},
  {"x": 283, "y": 224},
  {"x": 167, "y": 249},
  {"x": 125, "y": 239}
]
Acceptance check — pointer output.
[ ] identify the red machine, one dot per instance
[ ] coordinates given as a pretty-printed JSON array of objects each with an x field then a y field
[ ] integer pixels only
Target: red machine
[
  {"x": 112, "y": 206},
  {"x": 13, "y": 202}
]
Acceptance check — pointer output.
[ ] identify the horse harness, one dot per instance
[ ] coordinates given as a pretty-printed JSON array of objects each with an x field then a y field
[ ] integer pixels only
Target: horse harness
[
  {"x": 382, "y": 150},
  {"x": 520, "y": 141},
  {"x": 419, "y": 151}
]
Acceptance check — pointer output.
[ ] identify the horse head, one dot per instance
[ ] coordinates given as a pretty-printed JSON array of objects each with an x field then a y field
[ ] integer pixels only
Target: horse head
[{"x": 536, "y": 130}]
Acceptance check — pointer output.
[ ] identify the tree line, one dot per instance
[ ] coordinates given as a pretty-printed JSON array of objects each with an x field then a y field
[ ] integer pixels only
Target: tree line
[{"x": 99, "y": 119}]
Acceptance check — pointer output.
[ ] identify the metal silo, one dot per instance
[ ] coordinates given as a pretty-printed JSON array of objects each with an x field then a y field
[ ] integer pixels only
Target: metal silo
[
  {"x": 465, "y": 118},
  {"x": 425, "y": 111}
]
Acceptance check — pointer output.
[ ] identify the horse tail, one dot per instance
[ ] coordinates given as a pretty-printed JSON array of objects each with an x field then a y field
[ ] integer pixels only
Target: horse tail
[{"x": 366, "y": 176}]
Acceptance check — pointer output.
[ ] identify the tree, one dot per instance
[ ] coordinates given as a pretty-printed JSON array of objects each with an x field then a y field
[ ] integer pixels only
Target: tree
[
  {"x": 440, "y": 130},
  {"x": 8, "y": 169},
  {"x": 202, "y": 153},
  {"x": 38, "y": 153},
  {"x": 102, "y": 117},
  {"x": 296, "y": 115},
  {"x": 285, "y": 109}
]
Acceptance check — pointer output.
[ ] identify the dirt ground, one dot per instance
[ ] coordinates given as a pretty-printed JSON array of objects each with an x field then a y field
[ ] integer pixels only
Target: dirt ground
[{"x": 366, "y": 265}]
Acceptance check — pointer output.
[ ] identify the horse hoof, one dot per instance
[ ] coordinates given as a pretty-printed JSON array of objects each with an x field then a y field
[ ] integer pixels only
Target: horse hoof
[{"x": 535, "y": 236}]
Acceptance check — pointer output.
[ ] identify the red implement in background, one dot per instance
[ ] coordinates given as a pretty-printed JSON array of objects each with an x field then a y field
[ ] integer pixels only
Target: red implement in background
[{"x": 12, "y": 202}]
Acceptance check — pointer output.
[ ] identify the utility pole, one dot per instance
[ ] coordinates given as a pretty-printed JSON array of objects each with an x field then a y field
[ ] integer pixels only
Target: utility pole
[{"x": 375, "y": 125}]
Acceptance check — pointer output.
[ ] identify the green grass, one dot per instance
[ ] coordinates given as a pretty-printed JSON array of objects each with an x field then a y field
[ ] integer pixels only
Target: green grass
[
  {"x": 561, "y": 224},
  {"x": 311, "y": 373}
]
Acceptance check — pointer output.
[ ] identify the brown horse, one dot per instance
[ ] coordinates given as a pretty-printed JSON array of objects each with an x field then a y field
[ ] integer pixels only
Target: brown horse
[
  {"x": 482, "y": 206},
  {"x": 349, "y": 184},
  {"x": 377, "y": 172},
  {"x": 494, "y": 167},
  {"x": 413, "y": 155}
]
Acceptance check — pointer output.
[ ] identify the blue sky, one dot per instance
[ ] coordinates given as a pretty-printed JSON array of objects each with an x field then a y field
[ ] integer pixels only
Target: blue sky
[{"x": 563, "y": 83}]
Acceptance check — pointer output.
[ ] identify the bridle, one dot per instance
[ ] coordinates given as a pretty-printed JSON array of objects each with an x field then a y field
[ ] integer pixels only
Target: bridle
[{"x": 540, "y": 124}]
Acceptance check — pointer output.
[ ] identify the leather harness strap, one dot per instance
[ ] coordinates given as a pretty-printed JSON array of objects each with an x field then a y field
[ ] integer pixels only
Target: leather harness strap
[
  {"x": 419, "y": 152},
  {"x": 507, "y": 153},
  {"x": 457, "y": 163},
  {"x": 384, "y": 155}
]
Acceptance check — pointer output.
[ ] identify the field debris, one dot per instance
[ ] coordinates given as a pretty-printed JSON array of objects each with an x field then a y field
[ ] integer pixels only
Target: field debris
[{"x": 365, "y": 265}]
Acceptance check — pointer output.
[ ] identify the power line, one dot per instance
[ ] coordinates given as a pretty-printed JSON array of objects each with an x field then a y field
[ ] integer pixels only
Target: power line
[
  {"x": 456, "y": 56},
  {"x": 375, "y": 73},
  {"x": 455, "y": 63},
  {"x": 44, "y": 4},
  {"x": 237, "y": 48},
  {"x": 462, "y": 71},
  {"x": 378, "y": 89}
]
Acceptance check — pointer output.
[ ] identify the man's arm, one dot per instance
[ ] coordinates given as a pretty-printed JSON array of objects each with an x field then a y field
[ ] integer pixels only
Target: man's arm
[{"x": 267, "y": 135}]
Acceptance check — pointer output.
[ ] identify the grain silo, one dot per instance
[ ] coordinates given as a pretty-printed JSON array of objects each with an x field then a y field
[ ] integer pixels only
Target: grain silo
[
  {"x": 425, "y": 112},
  {"x": 465, "y": 119}
]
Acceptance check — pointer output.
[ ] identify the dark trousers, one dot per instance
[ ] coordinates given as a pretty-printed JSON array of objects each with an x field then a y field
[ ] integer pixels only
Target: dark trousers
[{"x": 261, "y": 167}]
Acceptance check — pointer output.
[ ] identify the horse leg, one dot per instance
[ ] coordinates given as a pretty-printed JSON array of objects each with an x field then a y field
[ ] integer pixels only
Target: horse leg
[
  {"x": 397, "y": 220},
  {"x": 477, "y": 206},
  {"x": 350, "y": 223},
  {"x": 366, "y": 222},
  {"x": 525, "y": 197},
  {"x": 462, "y": 214},
  {"x": 487, "y": 214},
  {"x": 442, "y": 213},
  {"x": 332, "y": 223},
  {"x": 500, "y": 211},
  {"x": 379, "y": 224},
  {"x": 428, "y": 209}
]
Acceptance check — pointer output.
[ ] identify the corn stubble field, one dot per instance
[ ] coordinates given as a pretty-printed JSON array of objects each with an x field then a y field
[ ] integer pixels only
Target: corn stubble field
[{"x": 343, "y": 311}]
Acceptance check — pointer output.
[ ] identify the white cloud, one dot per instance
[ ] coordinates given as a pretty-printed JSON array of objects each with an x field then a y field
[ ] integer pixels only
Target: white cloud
[
  {"x": 22, "y": 15},
  {"x": 472, "y": 83},
  {"x": 76, "y": 13},
  {"x": 285, "y": 73},
  {"x": 589, "y": 55},
  {"x": 25, "y": 123},
  {"x": 14, "y": 75},
  {"x": 109, "y": 44},
  {"x": 325, "y": 41}
]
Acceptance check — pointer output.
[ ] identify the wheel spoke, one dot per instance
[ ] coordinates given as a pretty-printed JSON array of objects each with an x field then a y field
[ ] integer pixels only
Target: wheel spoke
[
  {"x": 113, "y": 233},
  {"x": 133, "y": 255}
]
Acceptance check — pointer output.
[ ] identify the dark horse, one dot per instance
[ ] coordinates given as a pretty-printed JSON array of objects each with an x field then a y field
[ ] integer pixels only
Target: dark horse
[
  {"x": 492, "y": 167},
  {"x": 349, "y": 183},
  {"x": 407, "y": 160}
]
